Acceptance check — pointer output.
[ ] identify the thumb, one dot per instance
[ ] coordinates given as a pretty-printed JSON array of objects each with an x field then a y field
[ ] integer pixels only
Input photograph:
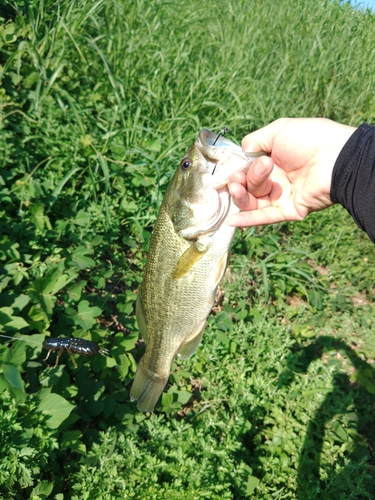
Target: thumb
[{"x": 263, "y": 138}]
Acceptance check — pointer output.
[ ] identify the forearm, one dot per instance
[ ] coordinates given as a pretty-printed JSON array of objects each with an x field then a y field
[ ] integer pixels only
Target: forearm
[{"x": 353, "y": 178}]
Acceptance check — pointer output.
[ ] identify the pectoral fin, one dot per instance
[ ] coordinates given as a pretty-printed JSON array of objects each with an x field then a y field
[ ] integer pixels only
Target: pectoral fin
[{"x": 188, "y": 259}]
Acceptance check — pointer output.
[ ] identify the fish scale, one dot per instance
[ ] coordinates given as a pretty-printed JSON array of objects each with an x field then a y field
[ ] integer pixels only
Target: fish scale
[{"x": 187, "y": 258}]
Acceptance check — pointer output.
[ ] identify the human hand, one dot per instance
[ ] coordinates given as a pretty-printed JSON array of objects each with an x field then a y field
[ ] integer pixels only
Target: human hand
[{"x": 295, "y": 179}]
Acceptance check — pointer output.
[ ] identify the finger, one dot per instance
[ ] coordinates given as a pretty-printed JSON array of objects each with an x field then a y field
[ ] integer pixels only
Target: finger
[
  {"x": 261, "y": 217},
  {"x": 258, "y": 182},
  {"x": 238, "y": 177},
  {"x": 241, "y": 197},
  {"x": 262, "y": 139}
]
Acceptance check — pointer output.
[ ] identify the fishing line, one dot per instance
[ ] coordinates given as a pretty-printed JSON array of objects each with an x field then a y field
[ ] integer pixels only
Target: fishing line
[
  {"x": 109, "y": 293},
  {"x": 17, "y": 338},
  {"x": 128, "y": 267},
  {"x": 220, "y": 134}
]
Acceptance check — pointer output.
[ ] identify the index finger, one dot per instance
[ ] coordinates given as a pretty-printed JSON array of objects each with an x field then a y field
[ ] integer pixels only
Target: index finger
[{"x": 259, "y": 217}]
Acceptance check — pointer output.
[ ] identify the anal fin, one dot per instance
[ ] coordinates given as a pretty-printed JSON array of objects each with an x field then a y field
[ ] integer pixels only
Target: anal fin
[
  {"x": 141, "y": 320},
  {"x": 187, "y": 349}
]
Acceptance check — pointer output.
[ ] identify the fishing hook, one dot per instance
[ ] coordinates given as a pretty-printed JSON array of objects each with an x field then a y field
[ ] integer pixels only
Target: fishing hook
[{"x": 220, "y": 134}]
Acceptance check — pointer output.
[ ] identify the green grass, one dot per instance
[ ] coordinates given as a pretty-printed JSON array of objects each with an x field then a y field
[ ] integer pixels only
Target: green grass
[{"x": 98, "y": 101}]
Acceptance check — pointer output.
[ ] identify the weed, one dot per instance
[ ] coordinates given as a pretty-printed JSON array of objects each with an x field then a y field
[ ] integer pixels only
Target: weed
[{"x": 98, "y": 101}]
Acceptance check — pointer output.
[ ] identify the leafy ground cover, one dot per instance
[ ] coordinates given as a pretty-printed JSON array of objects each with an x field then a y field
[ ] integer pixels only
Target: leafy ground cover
[{"x": 98, "y": 101}]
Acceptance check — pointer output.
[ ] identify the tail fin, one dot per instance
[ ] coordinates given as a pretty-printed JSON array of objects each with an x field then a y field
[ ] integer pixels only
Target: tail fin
[{"x": 147, "y": 387}]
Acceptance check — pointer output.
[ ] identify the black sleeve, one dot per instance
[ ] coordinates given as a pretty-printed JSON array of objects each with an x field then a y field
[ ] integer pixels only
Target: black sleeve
[{"x": 353, "y": 178}]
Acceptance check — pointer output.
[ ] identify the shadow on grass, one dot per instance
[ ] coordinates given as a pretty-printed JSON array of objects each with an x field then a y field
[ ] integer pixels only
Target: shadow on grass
[{"x": 351, "y": 404}]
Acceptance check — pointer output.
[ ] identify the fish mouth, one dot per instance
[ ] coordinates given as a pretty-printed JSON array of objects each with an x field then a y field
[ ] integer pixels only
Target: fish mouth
[
  {"x": 218, "y": 159},
  {"x": 223, "y": 157},
  {"x": 217, "y": 141}
]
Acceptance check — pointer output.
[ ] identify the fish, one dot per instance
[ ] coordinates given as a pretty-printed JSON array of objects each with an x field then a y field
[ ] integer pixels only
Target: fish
[{"x": 188, "y": 255}]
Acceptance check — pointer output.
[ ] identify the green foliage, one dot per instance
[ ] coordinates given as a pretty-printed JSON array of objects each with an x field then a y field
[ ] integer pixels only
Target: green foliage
[
  {"x": 23, "y": 435},
  {"x": 98, "y": 101}
]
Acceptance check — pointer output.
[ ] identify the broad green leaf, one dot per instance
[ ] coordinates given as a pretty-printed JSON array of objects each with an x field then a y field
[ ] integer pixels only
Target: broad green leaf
[
  {"x": 75, "y": 290},
  {"x": 20, "y": 302},
  {"x": 80, "y": 259},
  {"x": 85, "y": 317},
  {"x": 123, "y": 364},
  {"x": 141, "y": 180},
  {"x": 153, "y": 145},
  {"x": 223, "y": 321},
  {"x": 183, "y": 396},
  {"x": 72, "y": 391},
  {"x": 6, "y": 314},
  {"x": 128, "y": 342},
  {"x": 71, "y": 440},
  {"x": 284, "y": 460},
  {"x": 110, "y": 406},
  {"x": 13, "y": 376},
  {"x": 8, "y": 33},
  {"x": 27, "y": 451},
  {"x": 16, "y": 355},
  {"x": 132, "y": 362},
  {"x": 82, "y": 218},
  {"x": 252, "y": 483},
  {"x": 110, "y": 362},
  {"x": 166, "y": 399},
  {"x": 38, "y": 318},
  {"x": 241, "y": 314},
  {"x": 56, "y": 408},
  {"x": 38, "y": 217},
  {"x": 11, "y": 322},
  {"x": 46, "y": 303},
  {"x": 365, "y": 378},
  {"x": 339, "y": 431},
  {"x": 42, "y": 490},
  {"x": 71, "y": 436},
  {"x": 52, "y": 282},
  {"x": 17, "y": 323},
  {"x": 3, "y": 383},
  {"x": 222, "y": 338}
]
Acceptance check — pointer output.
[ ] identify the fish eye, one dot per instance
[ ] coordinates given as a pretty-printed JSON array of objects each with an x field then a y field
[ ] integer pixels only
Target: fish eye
[{"x": 185, "y": 164}]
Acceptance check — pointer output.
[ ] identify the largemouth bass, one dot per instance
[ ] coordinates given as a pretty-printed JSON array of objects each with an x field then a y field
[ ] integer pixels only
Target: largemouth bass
[{"x": 188, "y": 255}]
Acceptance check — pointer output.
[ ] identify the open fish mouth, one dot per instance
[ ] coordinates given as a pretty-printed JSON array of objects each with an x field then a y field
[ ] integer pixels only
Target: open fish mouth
[
  {"x": 222, "y": 156},
  {"x": 215, "y": 147},
  {"x": 219, "y": 158},
  {"x": 212, "y": 140}
]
